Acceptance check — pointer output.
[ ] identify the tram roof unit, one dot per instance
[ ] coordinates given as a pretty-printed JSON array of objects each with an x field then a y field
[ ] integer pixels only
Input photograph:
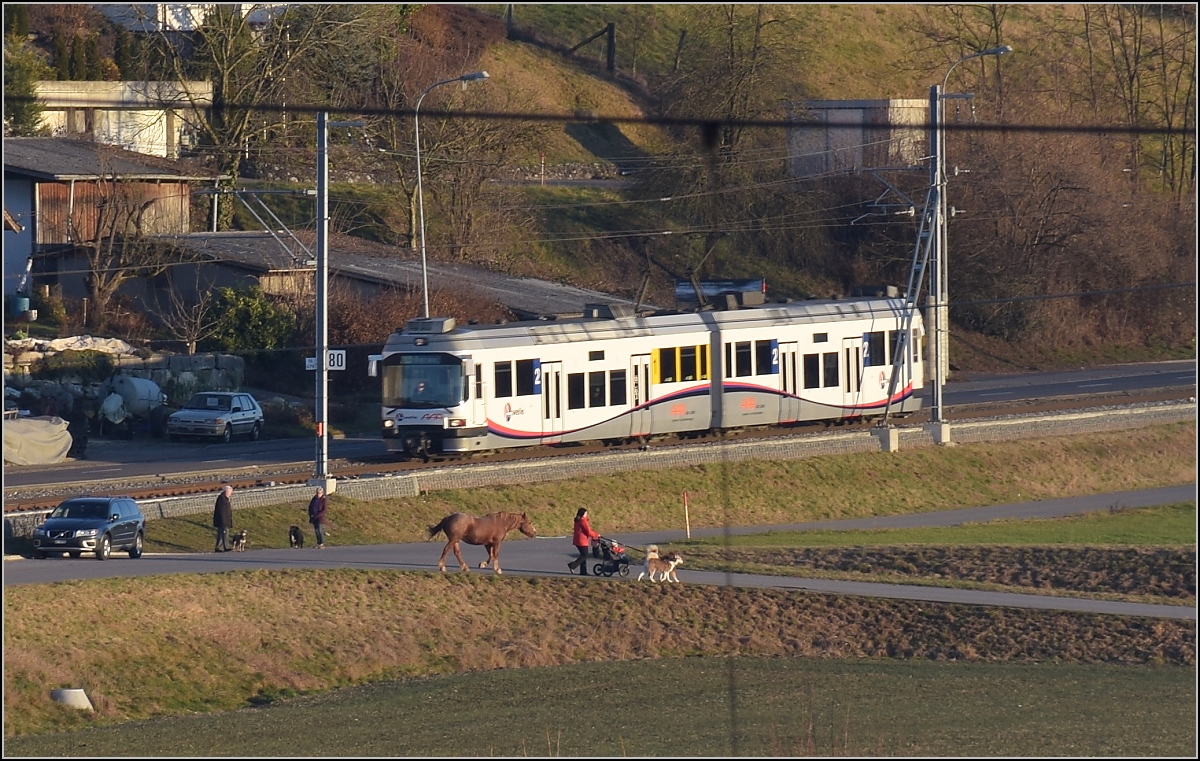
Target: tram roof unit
[{"x": 430, "y": 334}]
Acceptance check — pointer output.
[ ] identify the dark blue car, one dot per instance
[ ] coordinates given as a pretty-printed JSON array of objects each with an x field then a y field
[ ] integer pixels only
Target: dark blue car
[{"x": 97, "y": 525}]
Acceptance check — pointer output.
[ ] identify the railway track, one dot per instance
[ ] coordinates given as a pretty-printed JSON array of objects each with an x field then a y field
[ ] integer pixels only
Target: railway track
[{"x": 48, "y": 495}]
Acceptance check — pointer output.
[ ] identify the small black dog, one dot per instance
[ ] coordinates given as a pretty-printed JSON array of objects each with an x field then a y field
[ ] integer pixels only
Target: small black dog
[
  {"x": 240, "y": 541},
  {"x": 296, "y": 538}
]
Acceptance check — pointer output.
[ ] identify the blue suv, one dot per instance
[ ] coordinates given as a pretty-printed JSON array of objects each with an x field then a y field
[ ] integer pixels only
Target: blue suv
[{"x": 92, "y": 524}]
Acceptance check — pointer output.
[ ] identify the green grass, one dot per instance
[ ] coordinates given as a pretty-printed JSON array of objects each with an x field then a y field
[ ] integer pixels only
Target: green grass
[
  {"x": 1162, "y": 526},
  {"x": 696, "y": 707},
  {"x": 762, "y": 492}
]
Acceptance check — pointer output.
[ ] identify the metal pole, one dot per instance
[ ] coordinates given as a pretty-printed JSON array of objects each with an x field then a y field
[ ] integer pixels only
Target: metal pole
[
  {"x": 322, "y": 331},
  {"x": 472, "y": 77},
  {"x": 936, "y": 271},
  {"x": 421, "y": 198}
]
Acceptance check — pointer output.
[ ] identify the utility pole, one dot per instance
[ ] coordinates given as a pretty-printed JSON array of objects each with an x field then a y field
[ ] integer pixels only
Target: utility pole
[
  {"x": 321, "y": 472},
  {"x": 321, "y": 475},
  {"x": 937, "y": 271}
]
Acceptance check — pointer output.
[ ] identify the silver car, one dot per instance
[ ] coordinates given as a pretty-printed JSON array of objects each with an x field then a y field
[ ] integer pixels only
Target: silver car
[{"x": 220, "y": 414}]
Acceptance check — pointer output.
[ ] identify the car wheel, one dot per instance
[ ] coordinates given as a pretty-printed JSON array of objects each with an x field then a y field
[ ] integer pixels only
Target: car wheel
[
  {"x": 227, "y": 435},
  {"x": 38, "y": 554},
  {"x": 104, "y": 547},
  {"x": 135, "y": 551},
  {"x": 255, "y": 432},
  {"x": 75, "y": 554}
]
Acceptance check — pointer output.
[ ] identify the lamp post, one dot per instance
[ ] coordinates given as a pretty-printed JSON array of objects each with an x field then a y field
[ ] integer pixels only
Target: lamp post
[
  {"x": 472, "y": 77},
  {"x": 937, "y": 284}
]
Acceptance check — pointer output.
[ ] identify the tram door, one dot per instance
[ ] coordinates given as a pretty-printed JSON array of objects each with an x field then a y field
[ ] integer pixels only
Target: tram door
[
  {"x": 852, "y": 374},
  {"x": 639, "y": 394},
  {"x": 552, "y": 402},
  {"x": 789, "y": 384}
]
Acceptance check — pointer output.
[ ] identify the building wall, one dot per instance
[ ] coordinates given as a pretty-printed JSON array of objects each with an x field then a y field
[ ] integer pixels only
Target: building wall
[
  {"x": 154, "y": 118},
  {"x": 18, "y": 201},
  {"x": 857, "y": 134},
  {"x": 73, "y": 212}
]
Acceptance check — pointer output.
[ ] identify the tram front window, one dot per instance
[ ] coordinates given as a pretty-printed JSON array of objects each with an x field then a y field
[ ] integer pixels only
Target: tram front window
[{"x": 421, "y": 384}]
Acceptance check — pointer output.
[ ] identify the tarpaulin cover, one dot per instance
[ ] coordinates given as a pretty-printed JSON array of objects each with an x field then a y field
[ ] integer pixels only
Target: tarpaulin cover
[{"x": 36, "y": 440}]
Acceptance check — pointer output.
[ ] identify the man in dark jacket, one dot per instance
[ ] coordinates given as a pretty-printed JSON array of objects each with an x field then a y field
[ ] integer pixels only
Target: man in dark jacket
[{"x": 223, "y": 518}]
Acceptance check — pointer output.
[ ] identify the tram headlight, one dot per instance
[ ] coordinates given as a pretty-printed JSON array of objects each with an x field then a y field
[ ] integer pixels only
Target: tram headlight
[
  {"x": 389, "y": 423},
  {"x": 456, "y": 422}
]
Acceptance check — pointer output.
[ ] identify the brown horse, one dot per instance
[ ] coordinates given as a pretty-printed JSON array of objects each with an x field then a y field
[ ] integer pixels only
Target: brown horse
[{"x": 489, "y": 531}]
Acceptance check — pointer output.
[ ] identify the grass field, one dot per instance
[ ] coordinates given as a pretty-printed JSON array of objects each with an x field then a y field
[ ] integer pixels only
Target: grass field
[
  {"x": 697, "y": 707},
  {"x": 355, "y": 662}
]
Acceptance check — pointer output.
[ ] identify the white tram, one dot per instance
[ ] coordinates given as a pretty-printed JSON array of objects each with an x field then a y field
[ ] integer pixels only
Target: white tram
[{"x": 616, "y": 376}]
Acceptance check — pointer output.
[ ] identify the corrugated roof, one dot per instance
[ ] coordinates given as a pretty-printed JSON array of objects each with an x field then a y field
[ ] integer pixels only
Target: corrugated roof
[{"x": 57, "y": 158}]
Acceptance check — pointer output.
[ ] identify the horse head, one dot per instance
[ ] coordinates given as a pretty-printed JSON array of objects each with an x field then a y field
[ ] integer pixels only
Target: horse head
[{"x": 525, "y": 527}]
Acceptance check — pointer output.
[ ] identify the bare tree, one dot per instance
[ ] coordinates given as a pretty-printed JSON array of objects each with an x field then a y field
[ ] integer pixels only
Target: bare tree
[
  {"x": 120, "y": 247},
  {"x": 190, "y": 320},
  {"x": 251, "y": 54}
]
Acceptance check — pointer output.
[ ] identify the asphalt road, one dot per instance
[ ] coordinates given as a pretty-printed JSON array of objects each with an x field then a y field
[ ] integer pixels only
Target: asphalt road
[{"x": 548, "y": 556}]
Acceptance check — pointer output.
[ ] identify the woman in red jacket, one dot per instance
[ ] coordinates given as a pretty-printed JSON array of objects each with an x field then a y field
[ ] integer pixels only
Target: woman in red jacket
[{"x": 582, "y": 539}]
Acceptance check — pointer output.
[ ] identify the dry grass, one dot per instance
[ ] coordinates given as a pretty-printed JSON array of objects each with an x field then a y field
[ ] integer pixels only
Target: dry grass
[{"x": 214, "y": 642}]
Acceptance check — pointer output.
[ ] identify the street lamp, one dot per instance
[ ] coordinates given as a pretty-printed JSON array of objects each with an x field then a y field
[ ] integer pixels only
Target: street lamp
[
  {"x": 472, "y": 77},
  {"x": 937, "y": 283}
]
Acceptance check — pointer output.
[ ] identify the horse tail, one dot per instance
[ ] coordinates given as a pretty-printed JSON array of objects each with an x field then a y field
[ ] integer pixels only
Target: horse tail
[{"x": 434, "y": 530}]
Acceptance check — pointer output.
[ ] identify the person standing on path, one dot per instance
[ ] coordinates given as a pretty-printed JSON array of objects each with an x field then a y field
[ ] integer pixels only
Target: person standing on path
[
  {"x": 582, "y": 539},
  {"x": 316, "y": 515},
  {"x": 223, "y": 518}
]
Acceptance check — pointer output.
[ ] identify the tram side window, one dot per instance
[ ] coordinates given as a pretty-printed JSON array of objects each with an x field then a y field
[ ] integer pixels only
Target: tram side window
[
  {"x": 616, "y": 388},
  {"x": 762, "y": 357},
  {"x": 479, "y": 381},
  {"x": 575, "y": 396},
  {"x": 742, "y": 359},
  {"x": 503, "y": 380},
  {"x": 831, "y": 369},
  {"x": 667, "y": 365},
  {"x": 596, "y": 389},
  {"x": 875, "y": 355},
  {"x": 916, "y": 346},
  {"x": 524, "y": 377},
  {"x": 812, "y": 370},
  {"x": 687, "y": 363},
  {"x": 893, "y": 346}
]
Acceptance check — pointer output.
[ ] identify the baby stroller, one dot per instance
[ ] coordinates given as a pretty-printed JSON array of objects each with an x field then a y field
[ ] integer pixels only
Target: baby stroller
[{"x": 613, "y": 558}]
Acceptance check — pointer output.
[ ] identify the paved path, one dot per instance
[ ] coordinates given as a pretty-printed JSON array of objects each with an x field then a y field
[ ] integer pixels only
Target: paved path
[{"x": 548, "y": 556}]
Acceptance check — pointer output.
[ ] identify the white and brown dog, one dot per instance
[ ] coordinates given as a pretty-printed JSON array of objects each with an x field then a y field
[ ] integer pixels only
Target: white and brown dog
[{"x": 663, "y": 567}]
